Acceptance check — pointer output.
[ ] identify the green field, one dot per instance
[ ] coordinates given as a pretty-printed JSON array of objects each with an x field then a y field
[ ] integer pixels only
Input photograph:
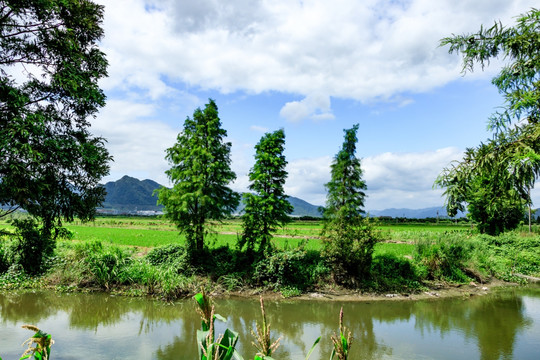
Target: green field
[{"x": 398, "y": 239}]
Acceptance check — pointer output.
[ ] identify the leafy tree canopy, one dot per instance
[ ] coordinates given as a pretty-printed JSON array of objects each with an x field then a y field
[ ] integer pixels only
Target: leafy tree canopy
[
  {"x": 200, "y": 172},
  {"x": 267, "y": 207},
  {"x": 50, "y": 64},
  {"x": 513, "y": 154}
]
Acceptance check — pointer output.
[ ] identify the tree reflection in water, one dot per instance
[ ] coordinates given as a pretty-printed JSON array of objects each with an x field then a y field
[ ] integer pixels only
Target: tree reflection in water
[{"x": 489, "y": 326}]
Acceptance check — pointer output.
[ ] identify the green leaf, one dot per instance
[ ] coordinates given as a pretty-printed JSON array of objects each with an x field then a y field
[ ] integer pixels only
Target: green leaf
[
  {"x": 200, "y": 299},
  {"x": 332, "y": 354},
  {"x": 219, "y": 317},
  {"x": 313, "y": 347}
]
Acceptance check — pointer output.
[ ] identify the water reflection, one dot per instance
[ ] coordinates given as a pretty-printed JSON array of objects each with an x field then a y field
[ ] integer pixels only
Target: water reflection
[{"x": 498, "y": 326}]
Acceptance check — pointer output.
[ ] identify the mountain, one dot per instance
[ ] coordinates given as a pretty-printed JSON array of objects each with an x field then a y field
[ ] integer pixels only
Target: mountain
[
  {"x": 130, "y": 194},
  {"x": 431, "y": 212},
  {"x": 303, "y": 208}
]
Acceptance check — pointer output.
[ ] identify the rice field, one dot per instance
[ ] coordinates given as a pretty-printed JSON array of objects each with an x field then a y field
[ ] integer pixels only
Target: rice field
[{"x": 153, "y": 232}]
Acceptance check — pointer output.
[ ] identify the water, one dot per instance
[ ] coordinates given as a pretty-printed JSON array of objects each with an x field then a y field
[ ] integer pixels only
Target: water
[{"x": 503, "y": 325}]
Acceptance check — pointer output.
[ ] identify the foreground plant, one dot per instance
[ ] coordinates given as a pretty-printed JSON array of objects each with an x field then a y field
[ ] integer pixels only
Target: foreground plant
[
  {"x": 263, "y": 343},
  {"x": 224, "y": 347},
  {"x": 42, "y": 341},
  {"x": 342, "y": 343}
]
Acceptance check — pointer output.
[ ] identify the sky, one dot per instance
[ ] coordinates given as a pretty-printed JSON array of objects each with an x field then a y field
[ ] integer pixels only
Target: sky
[{"x": 313, "y": 68}]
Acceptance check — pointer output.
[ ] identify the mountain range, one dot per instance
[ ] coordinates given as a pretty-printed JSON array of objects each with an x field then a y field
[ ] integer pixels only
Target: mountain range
[{"x": 131, "y": 195}]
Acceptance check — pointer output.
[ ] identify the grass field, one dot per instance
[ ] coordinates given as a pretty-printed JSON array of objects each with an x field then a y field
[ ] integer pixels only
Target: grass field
[{"x": 152, "y": 232}]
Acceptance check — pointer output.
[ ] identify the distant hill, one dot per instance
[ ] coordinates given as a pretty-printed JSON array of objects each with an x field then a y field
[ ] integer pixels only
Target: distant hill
[
  {"x": 130, "y": 194},
  {"x": 431, "y": 212}
]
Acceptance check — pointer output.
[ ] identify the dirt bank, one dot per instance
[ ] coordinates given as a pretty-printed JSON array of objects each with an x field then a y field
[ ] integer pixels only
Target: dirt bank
[{"x": 435, "y": 290}]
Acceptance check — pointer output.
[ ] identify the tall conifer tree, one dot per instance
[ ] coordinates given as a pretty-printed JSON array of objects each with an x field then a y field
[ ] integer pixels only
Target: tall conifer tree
[
  {"x": 200, "y": 172},
  {"x": 348, "y": 237},
  {"x": 267, "y": 207}
]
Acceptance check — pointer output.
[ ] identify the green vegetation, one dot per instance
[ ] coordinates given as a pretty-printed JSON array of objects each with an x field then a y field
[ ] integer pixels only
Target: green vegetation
[
  {"x": 495, "y": 178},
  {"x": 349, "y": 238},
  {"x": 200, "y": 172},
  {"x": 111, "y": 256},
  {"x": 267, "y": 208},
  {"x": 50, "y": 164}
]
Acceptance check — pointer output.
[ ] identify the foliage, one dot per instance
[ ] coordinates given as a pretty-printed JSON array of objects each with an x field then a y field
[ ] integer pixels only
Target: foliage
[
  {"x": 392, "y": 273},
  {"x": 42, "y": 341},
  {"x": 50, "y": 165},
  {"x": 446, "y": 258},
  {"x": 210, "y": 349},
  {"x": 348, "y": 238},
  {"x": 167, "y": 254},
  {"x": 32, "y": 247},
  {"x": 342, "y": 342},
  {"x": 267, "y": 207},
  {"x": 489, "y": 188},
  {"x": 224, "y": 348},
  {"x": 293, "y": 268},
  {"x": 510, "y": 162},
  {"x": 200, "y": 171},
  {"x": 345, "y": 198},
  {"x": 263, "y": 342}
]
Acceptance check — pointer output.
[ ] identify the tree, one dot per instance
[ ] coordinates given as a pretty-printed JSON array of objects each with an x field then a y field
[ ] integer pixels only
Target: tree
[
  {"x": 487, "y": 188},
  {"x": 268, "y": 207},
  {"x": 514, "y": 151},
  {"x": 50, "y": 164},
  {"x": 348, "y": 237},
  {"x": 200, "y": 171}
]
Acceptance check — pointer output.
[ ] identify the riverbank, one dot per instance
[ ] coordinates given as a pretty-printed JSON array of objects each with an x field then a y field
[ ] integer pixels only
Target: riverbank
[{"x": 445, "y": 265}]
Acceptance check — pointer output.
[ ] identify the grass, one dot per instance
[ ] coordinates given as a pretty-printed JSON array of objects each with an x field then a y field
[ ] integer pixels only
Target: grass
[{"x": 154, "y": 232}]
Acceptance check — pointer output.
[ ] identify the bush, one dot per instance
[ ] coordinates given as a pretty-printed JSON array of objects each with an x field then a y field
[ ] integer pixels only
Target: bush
[
  {"x": 33, "y": 246},
  {"x": 6, "y": 255},
  {"x": 294, "y": 268},
  {"x": 348, "y": 249},
  {"x": 390, "y": 273},
  {"x": 444, "y": 258},
  {"x": 171, "y": 256}
]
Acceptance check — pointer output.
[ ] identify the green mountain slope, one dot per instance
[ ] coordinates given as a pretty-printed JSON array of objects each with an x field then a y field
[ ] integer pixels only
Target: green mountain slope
[{"x": 130, "y": 194}]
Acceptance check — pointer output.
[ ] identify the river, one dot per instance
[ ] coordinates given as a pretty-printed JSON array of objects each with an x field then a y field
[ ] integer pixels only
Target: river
[{"x": 502, "y": 325}]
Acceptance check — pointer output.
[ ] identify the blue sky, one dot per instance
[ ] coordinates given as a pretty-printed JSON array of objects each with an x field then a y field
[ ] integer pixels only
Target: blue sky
[{"x": 311, "y": 67}]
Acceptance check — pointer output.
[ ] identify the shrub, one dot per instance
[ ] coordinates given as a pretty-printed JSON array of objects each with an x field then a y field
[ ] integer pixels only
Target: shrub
[
  {"x": 294, "y": 268},
  {"x": 33, "y": 246},
  {"x": 6, "y": 254},
  {"x": 348, "y": 249},
  {"x": 445, "y": 257},
  {"x": 389, "y": 272},
  {"x": 171, "y": 256}
]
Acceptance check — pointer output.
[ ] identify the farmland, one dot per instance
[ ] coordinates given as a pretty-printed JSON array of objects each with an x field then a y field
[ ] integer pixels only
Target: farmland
[{"x": 152, "y": 232}]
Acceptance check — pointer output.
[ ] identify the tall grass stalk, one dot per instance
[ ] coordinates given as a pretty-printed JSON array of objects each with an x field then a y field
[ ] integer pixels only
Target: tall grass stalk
[
  {"x": 342, "y": 343},
  {"x": 42, "y": 342},
  {"x": 263, "y": 343}
]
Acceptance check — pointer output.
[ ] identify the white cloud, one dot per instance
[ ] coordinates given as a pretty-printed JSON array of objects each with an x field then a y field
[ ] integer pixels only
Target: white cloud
[
  {"x": 135, "y": 140},
  {"x": 316, "y": 107},
  {"x": 394, "y": 180},
  {"x": 365, "y": 50}
]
